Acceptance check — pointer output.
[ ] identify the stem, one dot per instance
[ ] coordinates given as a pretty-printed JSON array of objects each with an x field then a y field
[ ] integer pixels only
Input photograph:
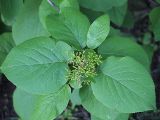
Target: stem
[{"x": 54, "y": 5}]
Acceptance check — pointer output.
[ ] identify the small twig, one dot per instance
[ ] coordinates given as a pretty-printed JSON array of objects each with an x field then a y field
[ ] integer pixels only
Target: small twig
[{"x": 54, "y": 5}]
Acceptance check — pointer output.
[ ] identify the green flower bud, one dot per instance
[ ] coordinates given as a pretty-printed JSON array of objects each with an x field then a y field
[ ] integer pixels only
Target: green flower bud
[{"x": 84, "y": 66}]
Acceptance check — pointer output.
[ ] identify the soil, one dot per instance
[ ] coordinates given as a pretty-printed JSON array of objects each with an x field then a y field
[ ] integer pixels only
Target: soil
[{"x": 6, "y": 106}]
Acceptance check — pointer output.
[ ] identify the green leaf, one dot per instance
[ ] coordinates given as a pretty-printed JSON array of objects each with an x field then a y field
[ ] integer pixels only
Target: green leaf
[
  {"x": 46, "y": 9},
  {"x": 27, "y": 25},
  {"x": 76, "y": 84},
  {"x": 124, "y": 85},
  {"x": 98, "y": 31},
  {"x": 129, "y": 20},
  {"x": 70, "y": 26},
  {"x": 156, "y": 31},
  {"x": 95, "y": 118},
  {"x": 150, "y": 51},
  {"x": 75, "y": 97},
  {"x": 95, "y": 107},
  {"x": 9, "y": 10},
  {"x": 114, "y": 32},
  {"x": 155, "y": 16},
  {"x": 69, "y": 3},
  {"x": 101, "y": 5},
  {"x": 158, "y": 1},
  {"x": 6, "y": 44},
  {"x": 41, "y": 107},
  {"x": 117, "y": 14},
  {"x": 92, "y": 15},
  {"x": 38, "y": 65},
  {"x": 155, "y": 22},
  {"x": 122, "y": 46},
  {"x": 120, "y": 117}
]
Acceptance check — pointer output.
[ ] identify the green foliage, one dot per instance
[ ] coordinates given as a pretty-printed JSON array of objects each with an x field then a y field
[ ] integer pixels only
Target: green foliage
[
  {"x": 75, "y": 97},
  {"x": 122, "y": 46},
  {"x": 60, "y": 49},
  {"x": 121, "y": 77},
  {"x": 155, "y": 22},
  {"x": 117, "y": 14},
  {"x": 6, "y": 45},
  {"x": 41, "y": 107},
  {"x": 72, "y": 24},
  {"x": 42, "y": 64},
  {"x": 98, "y": 31},
  {"x": 27, "y": 25},
  {"x": 101, "y": 5},
  {"x": 9, "y": 10},
  {"x": 120, "y": 117},
  {"x": 46, "y": 9},
  {"x": 95, "y": 107},
  {"x": 158, "y": 1}
]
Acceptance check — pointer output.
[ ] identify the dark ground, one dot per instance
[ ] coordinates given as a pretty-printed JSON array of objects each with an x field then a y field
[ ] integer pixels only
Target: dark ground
[{"x": 140, "y": 27}]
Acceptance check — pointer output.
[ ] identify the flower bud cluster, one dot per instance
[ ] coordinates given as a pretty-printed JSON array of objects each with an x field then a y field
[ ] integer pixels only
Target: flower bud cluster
[{"x": 84, "y": 66}]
